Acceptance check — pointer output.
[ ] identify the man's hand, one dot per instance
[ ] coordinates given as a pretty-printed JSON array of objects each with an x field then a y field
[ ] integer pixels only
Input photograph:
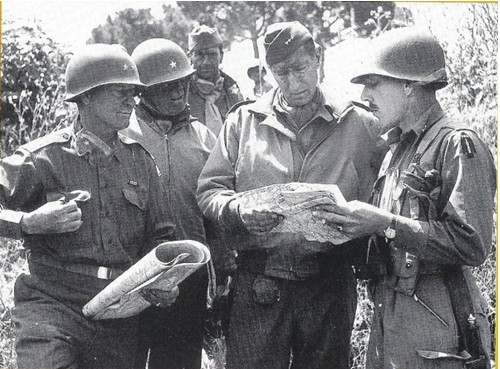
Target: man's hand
[
  {"x": 53, "y": 217},
  {"x": 260, "y": 222},
  {"x": 355, "y": 218},
  {"x": 160, "y": 297}
]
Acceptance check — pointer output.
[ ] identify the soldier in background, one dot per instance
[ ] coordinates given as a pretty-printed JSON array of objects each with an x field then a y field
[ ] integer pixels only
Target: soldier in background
[
  {"x": 212, "y": 92},
  {"x": 114, "y": 184},
  {"x": 257, "y": 73},
  {"x": 432, "y": 214}
]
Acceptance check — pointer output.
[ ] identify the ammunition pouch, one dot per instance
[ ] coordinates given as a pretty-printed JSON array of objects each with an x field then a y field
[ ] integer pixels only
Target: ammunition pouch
[
  {"x": 265, "y": 290},
  {"x": 372, "y": 260}
]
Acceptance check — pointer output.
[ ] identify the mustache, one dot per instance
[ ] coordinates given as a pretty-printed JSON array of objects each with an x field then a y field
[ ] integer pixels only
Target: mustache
[{"x": 369, "y": 107}]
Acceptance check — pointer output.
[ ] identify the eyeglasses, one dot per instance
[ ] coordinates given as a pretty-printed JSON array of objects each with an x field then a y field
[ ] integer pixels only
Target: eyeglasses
[
  {"x": 121, "y": 91},
  {"x": 166, "y": 87},
  {"x": 297, "y": 70}
]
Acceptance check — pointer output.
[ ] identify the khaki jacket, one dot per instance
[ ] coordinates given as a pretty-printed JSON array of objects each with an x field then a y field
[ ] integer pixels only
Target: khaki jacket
[{"x": 256, "y": 148}]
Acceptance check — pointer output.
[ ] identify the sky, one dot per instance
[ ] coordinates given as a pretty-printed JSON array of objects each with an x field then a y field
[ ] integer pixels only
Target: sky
[{"x": 70, "y": 22}]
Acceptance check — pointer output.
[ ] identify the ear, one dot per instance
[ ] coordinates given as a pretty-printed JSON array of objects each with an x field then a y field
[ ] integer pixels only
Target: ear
[
  {"x": 85, "y": 99},
  {"x": 408, "y": 88}
]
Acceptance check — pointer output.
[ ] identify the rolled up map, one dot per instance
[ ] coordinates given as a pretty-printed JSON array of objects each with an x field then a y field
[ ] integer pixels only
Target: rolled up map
[{"x": 164, "y": 267}]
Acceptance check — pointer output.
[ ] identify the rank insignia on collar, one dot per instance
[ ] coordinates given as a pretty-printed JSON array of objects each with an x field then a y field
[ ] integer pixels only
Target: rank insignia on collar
[
  {"x": 289, "y": 40},
  {"x": 173, "y": 64}
]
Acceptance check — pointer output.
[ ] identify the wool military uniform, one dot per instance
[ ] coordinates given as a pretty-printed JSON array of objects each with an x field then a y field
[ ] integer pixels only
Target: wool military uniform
[
  {"x": 442, "y": 175},
  {"x": 123, "y": 218}
]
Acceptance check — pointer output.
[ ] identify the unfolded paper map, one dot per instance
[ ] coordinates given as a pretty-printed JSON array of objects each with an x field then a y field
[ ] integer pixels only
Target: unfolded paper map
[
  {"x": 164, "y": 267},
  {"x": 296, "y": 202}
]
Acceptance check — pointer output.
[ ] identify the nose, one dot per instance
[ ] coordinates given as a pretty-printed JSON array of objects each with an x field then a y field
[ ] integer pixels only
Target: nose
[
  {"x": 206, "y": 59},
  {"x": 293, "y": 81},
  {"x": 130, "y": 99},
  {"x": 177, "y": 88},
  {"x": 365, "y": 95}
]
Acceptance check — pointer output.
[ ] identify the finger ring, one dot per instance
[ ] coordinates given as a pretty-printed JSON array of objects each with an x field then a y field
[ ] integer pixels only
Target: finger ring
[{"x": 339, "y": 227}]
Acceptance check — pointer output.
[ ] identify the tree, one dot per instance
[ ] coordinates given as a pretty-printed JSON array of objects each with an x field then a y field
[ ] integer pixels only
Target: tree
[
  {"x": 329, "y": 21},
  {"x": 249, "y": 19},
  {"x": 130, "y": 27},
  {"x": 33, "y": 68}
]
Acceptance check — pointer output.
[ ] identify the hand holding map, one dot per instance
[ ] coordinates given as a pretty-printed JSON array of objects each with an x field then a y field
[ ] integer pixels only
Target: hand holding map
[
  {"x": 164, "y": 267},
  {"x": 295, "y": 202}
]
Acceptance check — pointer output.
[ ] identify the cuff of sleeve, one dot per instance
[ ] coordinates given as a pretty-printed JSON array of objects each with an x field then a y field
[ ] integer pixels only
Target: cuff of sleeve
[
  {"x": 230, "y": 217},
  {"x": 11, "y": 223},
  {"x": 411, "y": 235}
]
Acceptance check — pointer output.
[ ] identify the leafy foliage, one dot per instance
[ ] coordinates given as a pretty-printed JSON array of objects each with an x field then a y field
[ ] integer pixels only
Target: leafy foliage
[
  {"x": 130, "y": 27},
  {"x": 329, "y": 21},
  {"x": 32, "y": 85}
]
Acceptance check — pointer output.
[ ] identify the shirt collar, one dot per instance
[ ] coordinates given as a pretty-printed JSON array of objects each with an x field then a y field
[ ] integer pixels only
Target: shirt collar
[
  {"x": 328, "y": 110},
  {"x": 427, "y": 119},
  {"x": 121, "y": 140},
  {"x": 424, "y": 122}
]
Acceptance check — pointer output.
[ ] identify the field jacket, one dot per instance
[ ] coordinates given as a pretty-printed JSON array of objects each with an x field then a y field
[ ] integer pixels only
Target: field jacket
[
  {"x": 180, "y": 154},
  {"x": 257, "y": 147}
]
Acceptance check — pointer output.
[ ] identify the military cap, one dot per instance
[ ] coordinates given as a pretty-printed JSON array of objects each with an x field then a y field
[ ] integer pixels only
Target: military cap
[
  {"x": 283, "y": 39},
  {"x": 255, "y": 66},
  {"x": 204, "y": 37},
  {"x": 407, "y": 53}
]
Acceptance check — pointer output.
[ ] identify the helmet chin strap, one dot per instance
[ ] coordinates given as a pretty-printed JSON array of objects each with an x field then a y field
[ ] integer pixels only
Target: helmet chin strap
[{"x": 99, "y": 152}]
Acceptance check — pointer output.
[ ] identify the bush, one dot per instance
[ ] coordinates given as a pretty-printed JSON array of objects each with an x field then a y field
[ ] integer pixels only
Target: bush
[{"x": 32, "y": 85}]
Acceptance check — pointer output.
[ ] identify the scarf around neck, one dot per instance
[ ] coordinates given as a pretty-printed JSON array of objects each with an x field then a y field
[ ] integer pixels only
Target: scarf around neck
[{"x": 210, "y": 92}]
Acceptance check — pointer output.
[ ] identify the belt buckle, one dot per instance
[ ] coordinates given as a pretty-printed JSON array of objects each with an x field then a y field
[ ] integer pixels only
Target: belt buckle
[{"x": 104, "y": 272}]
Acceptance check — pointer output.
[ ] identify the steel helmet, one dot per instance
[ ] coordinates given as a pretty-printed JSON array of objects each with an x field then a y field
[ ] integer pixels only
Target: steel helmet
[
  {"x": 159, "y": 60},
  {"x": 97, "y": 65},
  {"x": 408, "y": 54}
]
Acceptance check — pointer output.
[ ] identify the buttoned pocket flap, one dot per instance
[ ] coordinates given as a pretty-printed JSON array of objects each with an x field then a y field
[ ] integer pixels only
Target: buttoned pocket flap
[{"x": 135, "y": 197}]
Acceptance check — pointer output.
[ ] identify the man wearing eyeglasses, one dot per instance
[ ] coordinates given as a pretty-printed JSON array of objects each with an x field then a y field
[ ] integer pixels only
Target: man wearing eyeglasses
[
  {"x": 116, "y": 215},
  {"x": 180, "y": 145},
  {"x": 294, "y": 299}
]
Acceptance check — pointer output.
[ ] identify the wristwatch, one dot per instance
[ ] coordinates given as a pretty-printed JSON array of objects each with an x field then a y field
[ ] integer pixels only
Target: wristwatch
[{"x": 390, "y": 232}]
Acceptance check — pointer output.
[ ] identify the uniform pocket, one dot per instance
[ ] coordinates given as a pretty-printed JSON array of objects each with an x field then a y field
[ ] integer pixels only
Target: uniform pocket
[
  {"x": 132, "y": 218},
  {"x": 135, "y": 197}
]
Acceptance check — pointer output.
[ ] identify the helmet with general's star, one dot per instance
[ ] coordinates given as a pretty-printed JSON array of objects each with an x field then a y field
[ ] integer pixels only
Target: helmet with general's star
[
  {"x": 98, "y": 65},
  {"x": 160, "y": 60}
]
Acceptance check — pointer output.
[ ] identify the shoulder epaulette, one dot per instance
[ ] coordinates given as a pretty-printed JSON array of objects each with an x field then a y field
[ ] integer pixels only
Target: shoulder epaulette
[
  {"x": 237, "y": 105},
  {"x": 59, "y": 136}
]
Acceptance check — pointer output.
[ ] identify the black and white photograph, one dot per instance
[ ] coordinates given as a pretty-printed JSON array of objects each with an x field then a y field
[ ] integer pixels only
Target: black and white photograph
[{"x": 248, "y": 185}]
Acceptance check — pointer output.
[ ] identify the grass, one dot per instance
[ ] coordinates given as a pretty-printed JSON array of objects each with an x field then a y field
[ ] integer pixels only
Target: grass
[{"x": 13, "y": 262}]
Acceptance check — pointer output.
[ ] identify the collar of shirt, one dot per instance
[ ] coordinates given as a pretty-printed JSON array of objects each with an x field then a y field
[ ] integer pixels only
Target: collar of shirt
[
  {"x": 163, "y": 125},
  {"x": 428, "y": 118},
  {"x": 424, "y": 122},
  {"x": 76, "y": 126},
  {"x": 300, "y": 116}
]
